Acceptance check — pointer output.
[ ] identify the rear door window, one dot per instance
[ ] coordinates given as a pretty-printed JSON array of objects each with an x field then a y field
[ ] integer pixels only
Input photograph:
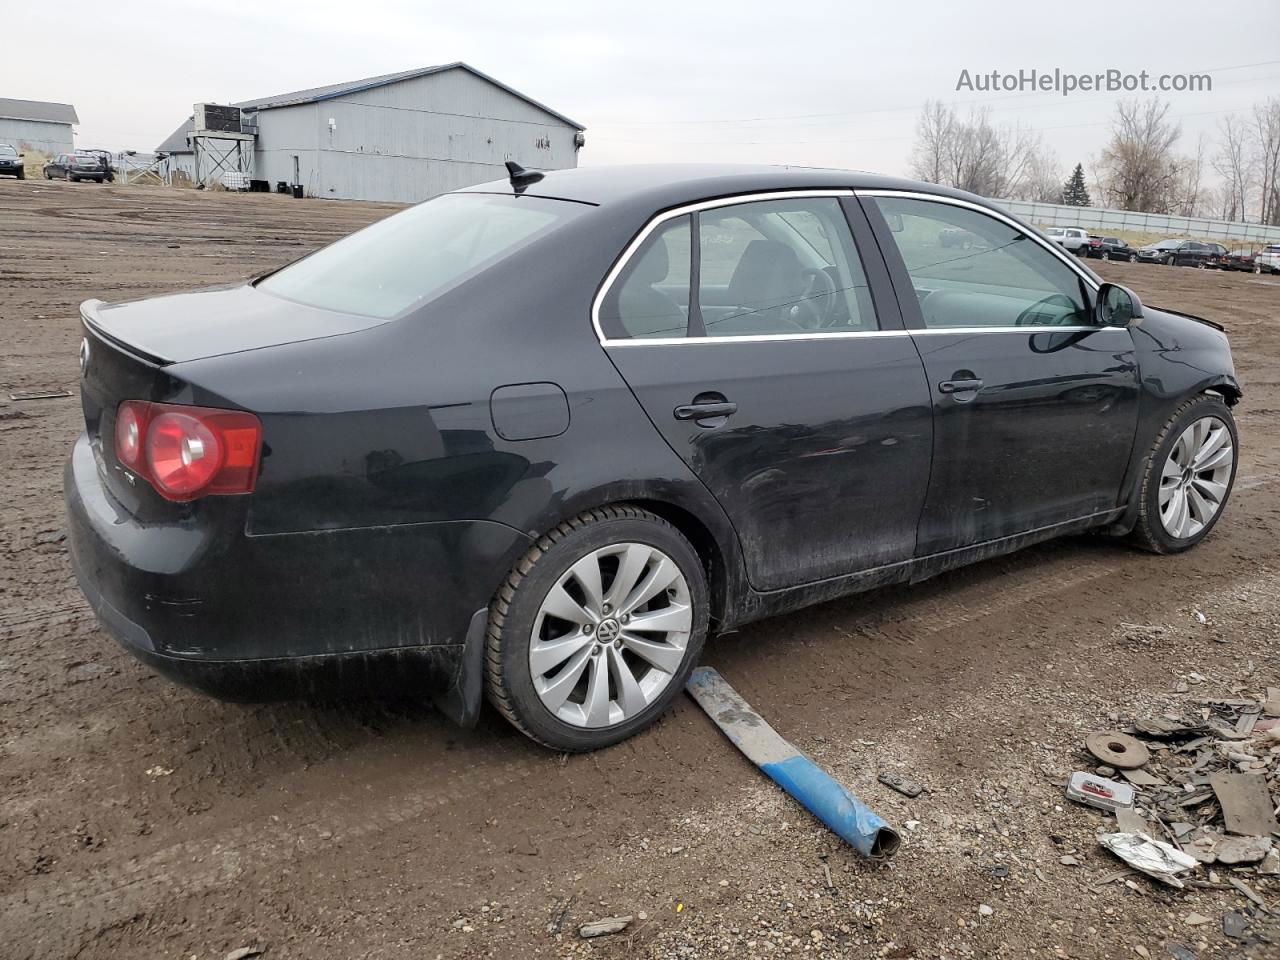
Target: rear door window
[{"x": 786, "y": 266}]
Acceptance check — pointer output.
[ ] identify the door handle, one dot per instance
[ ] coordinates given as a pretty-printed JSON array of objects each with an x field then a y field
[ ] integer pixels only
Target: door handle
[
  {"x": 705, "y": 411},
  {"x": 959, "y": 386}
]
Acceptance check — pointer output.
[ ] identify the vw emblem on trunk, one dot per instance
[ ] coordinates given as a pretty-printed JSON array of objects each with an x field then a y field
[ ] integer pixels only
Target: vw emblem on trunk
[{"x": 84, "y": 356}]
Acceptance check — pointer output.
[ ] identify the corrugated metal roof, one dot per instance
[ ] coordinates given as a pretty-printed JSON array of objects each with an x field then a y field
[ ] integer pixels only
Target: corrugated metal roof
[
  {"x": 316, "y": 94},
  {"x": 38, "y": 110},
  {"x": 176, "y": 142}
]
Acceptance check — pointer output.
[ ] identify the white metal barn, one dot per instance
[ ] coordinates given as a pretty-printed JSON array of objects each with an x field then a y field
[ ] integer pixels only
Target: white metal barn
[
  {"x": 400, "y": 137},
  {"x": 33, "y": 126}
]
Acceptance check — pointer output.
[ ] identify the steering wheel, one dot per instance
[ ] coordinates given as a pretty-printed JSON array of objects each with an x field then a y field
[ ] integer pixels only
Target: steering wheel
[
  {"x": 818, "y": 299},
  {"x": 1028, "y": 316}
]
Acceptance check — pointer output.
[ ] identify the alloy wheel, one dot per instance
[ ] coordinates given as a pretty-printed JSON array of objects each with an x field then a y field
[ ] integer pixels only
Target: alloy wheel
[
  {"x": 1196, "y": 477},
  {"x": 610, "y": 635}
]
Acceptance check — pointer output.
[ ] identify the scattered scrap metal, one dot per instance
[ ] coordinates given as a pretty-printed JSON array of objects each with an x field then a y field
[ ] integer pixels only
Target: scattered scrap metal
[{"x": 1194, "y": 797}]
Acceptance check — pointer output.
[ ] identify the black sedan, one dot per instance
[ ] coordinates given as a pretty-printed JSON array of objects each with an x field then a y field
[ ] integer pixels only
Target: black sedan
[
  {"x": 76, "y": 167},
  {"x": 11, "y": 162},
  {"x": 537, "y": 438}
]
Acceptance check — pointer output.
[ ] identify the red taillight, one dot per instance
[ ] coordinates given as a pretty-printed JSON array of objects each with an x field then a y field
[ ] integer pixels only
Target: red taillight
[
  {"x": 189, "y": 452},
  {"x": 129, "y": 425}
]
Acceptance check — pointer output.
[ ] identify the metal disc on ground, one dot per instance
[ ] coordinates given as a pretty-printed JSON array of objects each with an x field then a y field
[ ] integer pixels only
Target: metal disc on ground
[{"x": 1117, "y": 750}]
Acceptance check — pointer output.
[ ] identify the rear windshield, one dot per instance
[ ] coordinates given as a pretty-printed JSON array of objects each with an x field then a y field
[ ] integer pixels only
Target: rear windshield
[{"x": 417, "y": 254}]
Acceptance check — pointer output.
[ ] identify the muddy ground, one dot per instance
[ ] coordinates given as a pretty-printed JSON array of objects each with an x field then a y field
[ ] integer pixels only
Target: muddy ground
[{"x": 142, "y": 820}]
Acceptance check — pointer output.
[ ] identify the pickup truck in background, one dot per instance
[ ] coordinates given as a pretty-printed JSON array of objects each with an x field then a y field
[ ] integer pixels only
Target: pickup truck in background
[{"x": 1074, "y": 239}]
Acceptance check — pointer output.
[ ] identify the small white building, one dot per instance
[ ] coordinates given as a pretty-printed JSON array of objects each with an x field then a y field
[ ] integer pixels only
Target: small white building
[
  {"x": 34, "y": 126},
  {"x": 401, "y": 137}
]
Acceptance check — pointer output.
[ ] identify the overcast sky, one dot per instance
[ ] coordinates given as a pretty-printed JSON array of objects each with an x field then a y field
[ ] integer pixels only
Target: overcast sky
[{"x": 812, "y": 83}]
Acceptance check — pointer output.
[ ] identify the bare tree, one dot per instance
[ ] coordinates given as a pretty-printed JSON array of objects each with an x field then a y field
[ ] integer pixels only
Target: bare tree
[
  {"x": 935, "y": 133},
  {"x": 1139, "y": 169},
  {"x": 971, "y": 153},
  {"x": 1188, "y": 189},
  {"x": 1234, "y": 163},
  {"x": 1266, "y": 143}
]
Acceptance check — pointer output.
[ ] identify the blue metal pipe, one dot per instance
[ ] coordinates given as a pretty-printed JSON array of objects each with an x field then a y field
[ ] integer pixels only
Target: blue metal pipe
[{"x": 851, "y": 819}]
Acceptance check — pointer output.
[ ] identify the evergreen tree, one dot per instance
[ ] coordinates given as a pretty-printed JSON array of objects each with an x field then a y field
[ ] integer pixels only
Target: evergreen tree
[{"x": 1074, "y": 193}]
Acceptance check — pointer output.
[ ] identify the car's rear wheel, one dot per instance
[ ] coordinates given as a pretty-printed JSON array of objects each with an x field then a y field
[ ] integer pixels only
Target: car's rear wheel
[
  {"x": 1188, "y": 477},
  {"x": 596, "y": 629},
  {"x": 1133, "y": 258}
]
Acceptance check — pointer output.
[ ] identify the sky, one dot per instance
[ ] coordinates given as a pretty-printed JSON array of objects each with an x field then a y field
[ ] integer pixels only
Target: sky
[{"x": 811, "y": 83}]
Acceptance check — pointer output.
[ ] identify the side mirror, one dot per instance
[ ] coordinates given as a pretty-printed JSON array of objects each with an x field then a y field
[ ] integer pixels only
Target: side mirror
[{"x": 1116, "y": 306}]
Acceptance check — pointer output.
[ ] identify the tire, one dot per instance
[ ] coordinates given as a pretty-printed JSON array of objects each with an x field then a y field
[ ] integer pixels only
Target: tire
[
  {"x": 1152, "y": 530},
  {"x": 1257, "y": 268},
  {"x": 520, "y": 607},
  {"x": 22, "y": 174},
  {"x": 1133, "y": 258}
]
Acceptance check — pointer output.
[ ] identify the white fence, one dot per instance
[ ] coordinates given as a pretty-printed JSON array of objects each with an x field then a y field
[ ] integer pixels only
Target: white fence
[{"x": 1099, "y": 220}]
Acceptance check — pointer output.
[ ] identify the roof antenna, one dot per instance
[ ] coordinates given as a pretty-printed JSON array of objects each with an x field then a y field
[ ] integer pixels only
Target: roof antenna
[{"x": 520, "y": 177}]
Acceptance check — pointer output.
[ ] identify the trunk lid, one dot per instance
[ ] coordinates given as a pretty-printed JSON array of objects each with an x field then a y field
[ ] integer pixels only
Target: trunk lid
[{"x": 208, "y": 323}]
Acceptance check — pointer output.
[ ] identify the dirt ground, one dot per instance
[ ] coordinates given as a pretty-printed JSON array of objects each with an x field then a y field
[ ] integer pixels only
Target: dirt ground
[{"x": 138, "y": 819}]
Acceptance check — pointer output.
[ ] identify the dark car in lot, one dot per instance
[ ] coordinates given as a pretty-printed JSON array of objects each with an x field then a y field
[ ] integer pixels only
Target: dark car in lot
[
  {"x": 1242, "y": 259},
  {"x": 11, "y": 162},
  {"x": 1110, "y": 248},
  {"x": 536, "y": 438},
  {"x": 1182, "y": 253},
  {"x": 76, "y": 167}
]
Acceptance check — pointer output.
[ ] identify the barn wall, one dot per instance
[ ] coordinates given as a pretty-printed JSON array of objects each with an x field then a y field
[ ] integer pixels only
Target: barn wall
[
  {"x": 411, "y": 140},
  {"x": 37, "y": 136}
]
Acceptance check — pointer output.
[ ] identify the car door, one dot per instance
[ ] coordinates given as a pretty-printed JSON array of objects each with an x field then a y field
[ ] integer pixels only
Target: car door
[
  {"x": 1035, "y": 408},
  {"x": 765, "y": 346}
]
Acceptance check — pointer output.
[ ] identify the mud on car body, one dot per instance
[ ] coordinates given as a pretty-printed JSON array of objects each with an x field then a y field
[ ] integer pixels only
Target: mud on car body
[{"x": 536, "y": 438}]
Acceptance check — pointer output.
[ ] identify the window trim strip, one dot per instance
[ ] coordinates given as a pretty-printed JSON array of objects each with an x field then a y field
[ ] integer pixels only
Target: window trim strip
[{"x": 692, "y": 209}]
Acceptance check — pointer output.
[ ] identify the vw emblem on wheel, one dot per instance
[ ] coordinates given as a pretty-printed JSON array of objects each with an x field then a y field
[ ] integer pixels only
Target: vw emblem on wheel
[
  {"x": 608, "y": 630},
  {"x": 84, "y": 356}
]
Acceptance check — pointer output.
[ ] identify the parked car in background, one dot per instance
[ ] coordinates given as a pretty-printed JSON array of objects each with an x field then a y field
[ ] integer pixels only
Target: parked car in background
[
  {"x": 75, "y": 166},
  {"x": 11, "y": 162},
  {"x": 1181, "y": 253},
  {"x": 1207, "y": 256},
  {"x": 752, "y": 389},
  {"x": 1241, "y": 259},
  {"x": 1267, "y": 260},
  {"x": 956, "y": 237},
  {"x": 1111, "y": 248},
  {"x": 1160, "y": 252},
  {"x": 105, "y": 157},
  {"x": 1074, "y": 239}
]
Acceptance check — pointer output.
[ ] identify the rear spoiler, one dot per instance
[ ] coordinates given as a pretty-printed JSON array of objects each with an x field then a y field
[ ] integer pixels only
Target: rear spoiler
[{"x": 91, "y": 316}]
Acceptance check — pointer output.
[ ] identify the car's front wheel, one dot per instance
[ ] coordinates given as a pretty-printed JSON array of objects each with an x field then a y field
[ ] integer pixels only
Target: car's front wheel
[
  {"x": 1188, "y": 477},
  {"x": 596, "y": 629},
  {"x": 1133, "y": 258}
]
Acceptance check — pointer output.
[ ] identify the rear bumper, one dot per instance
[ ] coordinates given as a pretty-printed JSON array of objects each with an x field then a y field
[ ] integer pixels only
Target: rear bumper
[{"x": 354, "y": 611}]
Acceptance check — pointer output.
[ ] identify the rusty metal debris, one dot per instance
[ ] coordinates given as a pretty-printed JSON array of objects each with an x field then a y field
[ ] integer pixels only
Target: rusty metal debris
[
  {"x": 1117, "y": 749},
  {"x": 904, "y": 785}
]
